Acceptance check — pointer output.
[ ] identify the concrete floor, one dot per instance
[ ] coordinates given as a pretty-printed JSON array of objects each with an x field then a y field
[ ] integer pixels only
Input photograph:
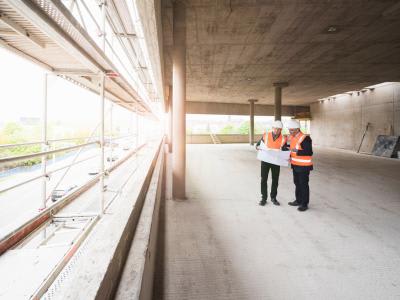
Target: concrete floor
[{"x": 219, "y": 244}]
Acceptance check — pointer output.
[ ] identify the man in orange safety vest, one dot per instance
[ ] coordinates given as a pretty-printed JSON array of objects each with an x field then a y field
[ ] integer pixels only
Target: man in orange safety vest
[{"x": 273, "y": 140}]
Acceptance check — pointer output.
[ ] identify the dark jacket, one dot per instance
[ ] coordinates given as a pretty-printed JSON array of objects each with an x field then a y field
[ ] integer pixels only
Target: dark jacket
[{"x": 306, "y": 145}]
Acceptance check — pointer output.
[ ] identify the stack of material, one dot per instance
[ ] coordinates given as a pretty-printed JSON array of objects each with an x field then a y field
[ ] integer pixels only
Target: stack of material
[{"x": 387, "y": 146}]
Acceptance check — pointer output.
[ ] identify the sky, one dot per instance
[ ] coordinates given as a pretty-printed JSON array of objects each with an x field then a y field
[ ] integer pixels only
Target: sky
[{"x": 21, "y": 86}]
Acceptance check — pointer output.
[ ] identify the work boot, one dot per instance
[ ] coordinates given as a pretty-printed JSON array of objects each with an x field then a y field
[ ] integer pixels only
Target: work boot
[
  {"x": 302, "y": 208},
  {"x": 294, "y": 203},
  {"x": 274, "y": 201},
  {"x": 263, "y": 202}
]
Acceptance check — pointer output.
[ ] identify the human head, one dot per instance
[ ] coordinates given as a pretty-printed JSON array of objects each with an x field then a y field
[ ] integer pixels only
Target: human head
[
  {"x": 277, "y": 127},
  {"x": 293, "y": 126}
]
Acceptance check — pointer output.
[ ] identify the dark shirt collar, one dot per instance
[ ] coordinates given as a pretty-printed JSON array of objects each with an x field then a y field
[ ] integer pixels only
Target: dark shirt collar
[{"x": 274, "y": 136}]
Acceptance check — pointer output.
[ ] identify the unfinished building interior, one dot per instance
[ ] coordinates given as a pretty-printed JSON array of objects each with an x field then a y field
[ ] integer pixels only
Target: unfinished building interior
[{"x": 180, "y": 218}]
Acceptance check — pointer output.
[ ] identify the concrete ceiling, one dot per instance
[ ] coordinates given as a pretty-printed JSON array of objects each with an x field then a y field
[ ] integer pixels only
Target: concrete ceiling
[{"x": 236, "y": 49}]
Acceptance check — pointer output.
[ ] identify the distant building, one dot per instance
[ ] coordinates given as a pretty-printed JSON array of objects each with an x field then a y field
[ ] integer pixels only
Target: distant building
[{"x": 29, "y": 121}]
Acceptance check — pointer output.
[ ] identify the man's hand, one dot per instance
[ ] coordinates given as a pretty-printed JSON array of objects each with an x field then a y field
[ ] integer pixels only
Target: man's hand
[{"x": 257, "y": 148}]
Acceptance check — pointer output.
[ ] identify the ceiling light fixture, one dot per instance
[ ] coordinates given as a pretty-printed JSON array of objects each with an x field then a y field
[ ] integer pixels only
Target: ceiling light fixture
[{"x": 331, "y": 29}]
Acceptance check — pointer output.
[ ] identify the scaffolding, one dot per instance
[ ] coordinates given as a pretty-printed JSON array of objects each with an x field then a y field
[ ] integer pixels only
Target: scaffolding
[{"x": 99, "y": 46}]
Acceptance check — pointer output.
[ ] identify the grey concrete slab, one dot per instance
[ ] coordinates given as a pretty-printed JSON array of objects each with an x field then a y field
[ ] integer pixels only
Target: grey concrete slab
[
  {"x": 22, "y": 271},
  {"x": 219, "y": 244},
  {"x": 237, "y": 49}
]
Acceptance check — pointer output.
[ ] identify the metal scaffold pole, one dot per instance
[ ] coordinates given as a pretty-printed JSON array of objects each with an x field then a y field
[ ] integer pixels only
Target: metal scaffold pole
[
  {"x": 131, "y": 127},
  {"x": 44, "y": 142},
  {"x": 137, "y": 127},
  {"x": 102, "y": 104},
  {"x": 111, "y": 143},
  {"x": 102, "y": 107}
]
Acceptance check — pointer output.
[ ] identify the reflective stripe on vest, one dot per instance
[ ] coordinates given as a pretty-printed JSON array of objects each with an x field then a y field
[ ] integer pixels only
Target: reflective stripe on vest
[
  {"x": 300, "y": 140},
  {"x": 270, "y": 143},
  {"x": 301, "y": 160},
  {"x": 295, "y": 143}
]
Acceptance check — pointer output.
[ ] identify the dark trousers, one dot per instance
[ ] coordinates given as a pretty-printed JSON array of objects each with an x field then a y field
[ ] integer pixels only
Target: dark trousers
[
  {"x": 275, "y": 170},
  {"x": 301, "y": 179}
]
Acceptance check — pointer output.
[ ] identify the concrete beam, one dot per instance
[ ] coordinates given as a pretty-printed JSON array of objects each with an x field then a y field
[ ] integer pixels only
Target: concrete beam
[{"x": 213, "y": 108}]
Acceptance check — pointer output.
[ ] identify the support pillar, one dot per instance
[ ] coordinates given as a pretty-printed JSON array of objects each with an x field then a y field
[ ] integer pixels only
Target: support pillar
[
  {"x": 170, "y": 109},
  {"x": 278, "y": 99},
  {"x": 251, "y": 129},
  {"x": 179, "y": 99}
]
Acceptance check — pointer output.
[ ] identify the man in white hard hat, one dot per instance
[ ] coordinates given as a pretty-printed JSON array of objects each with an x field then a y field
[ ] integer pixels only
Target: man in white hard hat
[
  {"x": 301, "y": 162},
  {"x": 273, "y": 140}
]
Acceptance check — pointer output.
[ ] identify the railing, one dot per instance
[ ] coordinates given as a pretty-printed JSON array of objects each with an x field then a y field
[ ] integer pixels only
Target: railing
[
  {"x": 19, "y": 233},
  {"x": 43, "y": 153},
  {"x": 62, "y": 140},
  {"x": 40, "y": 142},
  {"x": 22, "y": 237}
]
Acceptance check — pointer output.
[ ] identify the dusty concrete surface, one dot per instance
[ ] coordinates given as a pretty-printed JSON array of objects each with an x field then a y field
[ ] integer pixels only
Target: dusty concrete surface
[{"x": 219, "y": 244}]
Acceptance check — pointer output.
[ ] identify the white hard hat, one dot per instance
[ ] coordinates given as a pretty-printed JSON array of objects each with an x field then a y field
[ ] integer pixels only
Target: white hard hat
[
  {"x": 293, "y": 124},
  {"x": 277, "y": 124}
]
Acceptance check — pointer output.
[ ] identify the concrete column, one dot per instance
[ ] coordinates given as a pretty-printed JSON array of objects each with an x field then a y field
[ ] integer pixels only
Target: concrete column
[
  {"x": 170, "y": 112},
  {"x": 178, "y": 100},
  {"x": 251, "y": 129},
  {"x": 278, "y": 99}
]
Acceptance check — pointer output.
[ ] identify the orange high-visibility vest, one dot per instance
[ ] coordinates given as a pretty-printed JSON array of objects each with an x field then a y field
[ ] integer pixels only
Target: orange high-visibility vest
[
  {"x": 270, "y": 143},
  {"x": 295, "y": 143}
]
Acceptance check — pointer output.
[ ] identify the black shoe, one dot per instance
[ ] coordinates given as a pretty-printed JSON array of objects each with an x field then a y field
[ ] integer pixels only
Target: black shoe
[
  {"x": 263, "y": 202},
  {"x": 274, "y": 201},
  {"x": 302, "y": 208},
  {"x": 294, "y": 203}
]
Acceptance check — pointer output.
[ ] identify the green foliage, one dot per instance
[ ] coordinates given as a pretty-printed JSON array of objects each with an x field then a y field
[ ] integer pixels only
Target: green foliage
[
  {"x": 228, "y": 129},
  {"x": 15, "y": 133},
  {"x": 244, "y": 128}
]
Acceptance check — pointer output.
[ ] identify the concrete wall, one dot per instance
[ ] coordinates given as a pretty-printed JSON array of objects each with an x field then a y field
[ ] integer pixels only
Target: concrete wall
[
  {"x": 224, "y": 138},
  {"x": 340, "y": 122}
]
